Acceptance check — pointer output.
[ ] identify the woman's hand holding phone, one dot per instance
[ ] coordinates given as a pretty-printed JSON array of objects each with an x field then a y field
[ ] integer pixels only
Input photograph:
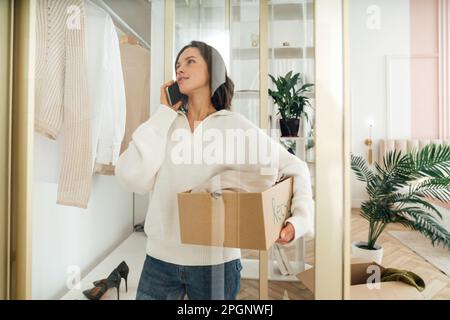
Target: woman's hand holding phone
[{"x": 165, "y": 98}]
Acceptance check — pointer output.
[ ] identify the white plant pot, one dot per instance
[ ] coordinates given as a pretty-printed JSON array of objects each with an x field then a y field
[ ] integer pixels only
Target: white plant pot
[{"x": 369, "y": 255}]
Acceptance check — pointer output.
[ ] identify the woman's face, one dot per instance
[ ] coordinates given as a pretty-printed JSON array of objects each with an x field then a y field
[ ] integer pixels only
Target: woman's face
[{"x": 192, "y": 72}]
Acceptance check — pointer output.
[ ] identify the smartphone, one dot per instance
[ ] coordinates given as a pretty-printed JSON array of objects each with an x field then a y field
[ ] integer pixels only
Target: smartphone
[{"x": 174, "y": 94}]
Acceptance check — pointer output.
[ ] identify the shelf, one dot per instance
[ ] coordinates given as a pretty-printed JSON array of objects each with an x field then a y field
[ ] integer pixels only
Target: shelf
[
  {"x": 280, "y": 10},
  {"x": 270, "y": 48},
  {"x": 253, "y": 3},
  {"x": 295, "y": 138},
  {"x": 247, "y": 91},
  {"x": 291, "y": 11},
  {"x": 283, "y": 2},
  {"x": 252, "y": 53},
  {"x": 250, "y": 270},
  {"x": 133, "y": 252},
  {"x": 286, "y": 52}
]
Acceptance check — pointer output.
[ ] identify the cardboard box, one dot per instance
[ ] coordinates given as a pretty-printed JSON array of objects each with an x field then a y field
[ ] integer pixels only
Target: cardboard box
[
  {"x": 359, "y": 290},
  {"x": 235, "y": 219}
]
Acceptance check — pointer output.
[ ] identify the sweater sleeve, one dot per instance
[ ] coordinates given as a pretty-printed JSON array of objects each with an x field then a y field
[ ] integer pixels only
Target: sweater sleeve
[
  {"x": 285, "y": 164},
  {"x": 302, "y": 204},
  {"x": 138, "y": 165}
]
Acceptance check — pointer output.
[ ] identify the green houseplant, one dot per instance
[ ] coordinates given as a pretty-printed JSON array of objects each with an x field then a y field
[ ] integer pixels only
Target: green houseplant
[
  {"x": 291, "y": 102},
  {"x": 290, "y": 146},
  {"x": 398, "y": 193}
]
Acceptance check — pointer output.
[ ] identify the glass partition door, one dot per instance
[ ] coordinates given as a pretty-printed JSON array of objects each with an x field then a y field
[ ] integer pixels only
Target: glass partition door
[{"x": 234, "y": 28}]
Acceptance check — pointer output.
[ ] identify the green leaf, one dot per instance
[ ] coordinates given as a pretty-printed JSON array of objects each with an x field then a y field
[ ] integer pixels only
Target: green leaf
[
  {"x": 290, "y": 102},
  {"x": 432, "y": 161},
  {"x": 359, "y": 165},
  {"x": 410, "y": 199},
  {"x": 428, "y": 226}
]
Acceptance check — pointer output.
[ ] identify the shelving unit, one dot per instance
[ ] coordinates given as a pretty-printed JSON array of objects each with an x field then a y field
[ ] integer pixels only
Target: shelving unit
[
  {"x": 302, "y": 152},
  {"x": 236, "y": 34},
  {"x": 291, "y": 45}
]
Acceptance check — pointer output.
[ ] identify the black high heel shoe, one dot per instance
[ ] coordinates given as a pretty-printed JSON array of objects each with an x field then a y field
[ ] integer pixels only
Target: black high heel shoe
[
  {"x": 113, "y": 281},
  {"x": 123, "y": 270}
]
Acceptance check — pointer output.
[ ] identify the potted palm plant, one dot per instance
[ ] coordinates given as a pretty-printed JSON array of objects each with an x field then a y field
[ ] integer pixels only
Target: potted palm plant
[
  {"x": 398, "y": 193},
  {"x": 291, "y": 102}
]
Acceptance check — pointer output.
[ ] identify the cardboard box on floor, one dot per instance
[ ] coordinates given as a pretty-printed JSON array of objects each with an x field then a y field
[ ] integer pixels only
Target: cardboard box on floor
[
  {"x": 360, "y": 272},
  {"x": 235, "y": 219}
]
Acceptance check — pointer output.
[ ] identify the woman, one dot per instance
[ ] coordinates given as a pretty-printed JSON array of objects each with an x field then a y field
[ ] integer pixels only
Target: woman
[{"x": 153, "y": 163}]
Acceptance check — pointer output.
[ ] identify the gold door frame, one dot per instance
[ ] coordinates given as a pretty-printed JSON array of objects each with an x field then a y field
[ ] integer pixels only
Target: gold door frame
[
  {"x": 332, "y": 192},
  {"x": 6, "y": 21},
  {"x": 347, "y": 154},
  {"x": 22, "y": 147}
]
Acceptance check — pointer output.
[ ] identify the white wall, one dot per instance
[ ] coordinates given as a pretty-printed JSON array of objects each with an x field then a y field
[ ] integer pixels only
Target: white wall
[
  {"x": 66, "y": 240},
  {"x": 379, "y": 31}
]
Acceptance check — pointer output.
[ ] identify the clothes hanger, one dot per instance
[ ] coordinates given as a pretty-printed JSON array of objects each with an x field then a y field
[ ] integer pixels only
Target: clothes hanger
[{"x": 129, "y": 39}]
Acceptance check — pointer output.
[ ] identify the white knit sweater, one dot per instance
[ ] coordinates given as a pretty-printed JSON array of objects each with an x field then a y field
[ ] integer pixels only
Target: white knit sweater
[{"x": 166, "y": 158}]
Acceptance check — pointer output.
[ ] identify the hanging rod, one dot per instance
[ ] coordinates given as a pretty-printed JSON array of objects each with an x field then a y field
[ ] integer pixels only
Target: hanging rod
[{"x": 121, "y": 24}]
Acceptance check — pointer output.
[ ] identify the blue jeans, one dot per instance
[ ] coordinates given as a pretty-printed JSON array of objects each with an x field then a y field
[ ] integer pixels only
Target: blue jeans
[{"x": 166, "y": 281}]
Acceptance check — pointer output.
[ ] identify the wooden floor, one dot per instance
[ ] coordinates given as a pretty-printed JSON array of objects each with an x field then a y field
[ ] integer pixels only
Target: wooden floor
[{"x": 396, "y": 255}]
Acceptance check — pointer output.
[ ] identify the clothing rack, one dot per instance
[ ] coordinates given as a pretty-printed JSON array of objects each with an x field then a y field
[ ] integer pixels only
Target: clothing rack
[
  {"x": 125, "y": 28},
  {"x": 121, "y": 24}
]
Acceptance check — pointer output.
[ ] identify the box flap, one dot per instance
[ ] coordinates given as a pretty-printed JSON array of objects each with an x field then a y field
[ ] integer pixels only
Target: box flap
[
  {"x": 361, "y": 271},
  {"x": 392, "y": 290},
  {"x": 307, "y": 278}
]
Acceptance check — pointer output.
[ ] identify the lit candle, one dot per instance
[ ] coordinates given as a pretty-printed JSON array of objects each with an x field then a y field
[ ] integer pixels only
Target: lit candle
[{"x": 370, "y": 129}]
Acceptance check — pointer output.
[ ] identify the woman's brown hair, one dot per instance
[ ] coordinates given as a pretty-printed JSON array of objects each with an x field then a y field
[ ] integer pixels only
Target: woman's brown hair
[{"x": 224, "y": 94}]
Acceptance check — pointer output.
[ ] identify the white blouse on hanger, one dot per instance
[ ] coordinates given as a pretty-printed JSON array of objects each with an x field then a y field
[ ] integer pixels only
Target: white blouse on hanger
[{"x": 106, "y": 85}]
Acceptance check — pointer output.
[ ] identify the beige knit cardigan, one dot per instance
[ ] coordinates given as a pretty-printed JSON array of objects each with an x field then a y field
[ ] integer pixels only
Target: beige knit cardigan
[{"x": 62, "y": 94}]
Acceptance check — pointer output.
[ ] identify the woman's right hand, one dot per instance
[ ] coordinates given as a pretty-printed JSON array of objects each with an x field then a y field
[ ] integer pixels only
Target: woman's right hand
[{"x": 165, "y": 99}]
